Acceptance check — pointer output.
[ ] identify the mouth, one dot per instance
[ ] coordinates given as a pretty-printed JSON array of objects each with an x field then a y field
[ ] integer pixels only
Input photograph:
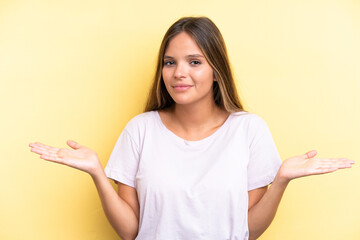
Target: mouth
[{"x": 181, "y": 87}]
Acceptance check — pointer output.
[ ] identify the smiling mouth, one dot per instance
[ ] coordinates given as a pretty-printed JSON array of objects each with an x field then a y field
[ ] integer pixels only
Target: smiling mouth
[{"x": 181, "y": 87}]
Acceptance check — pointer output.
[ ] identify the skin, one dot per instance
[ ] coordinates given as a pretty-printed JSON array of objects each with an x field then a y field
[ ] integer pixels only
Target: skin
[
  {"x": 193, "y": 117},
  {"x": 195, "y": 114}
]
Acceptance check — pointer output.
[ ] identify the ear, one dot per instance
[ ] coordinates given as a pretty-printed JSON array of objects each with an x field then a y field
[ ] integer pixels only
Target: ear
[{"x": 215, "y": 80}]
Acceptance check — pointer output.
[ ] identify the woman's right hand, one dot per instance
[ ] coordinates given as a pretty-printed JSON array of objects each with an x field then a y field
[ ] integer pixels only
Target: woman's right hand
[{"x": 79, "y": 157}]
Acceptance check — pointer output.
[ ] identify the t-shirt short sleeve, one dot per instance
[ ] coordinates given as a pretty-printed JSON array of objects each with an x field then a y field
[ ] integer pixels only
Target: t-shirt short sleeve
[
  {"x": 264, "y": 160},
  {"x": 124, "y": 159}
]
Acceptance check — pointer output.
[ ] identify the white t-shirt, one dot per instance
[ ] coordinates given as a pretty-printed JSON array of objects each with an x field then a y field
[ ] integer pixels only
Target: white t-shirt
[{"x": 194, "y": 189}]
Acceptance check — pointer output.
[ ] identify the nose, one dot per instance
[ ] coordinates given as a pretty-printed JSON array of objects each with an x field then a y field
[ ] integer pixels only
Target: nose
[{"x": 180, "y": 71}]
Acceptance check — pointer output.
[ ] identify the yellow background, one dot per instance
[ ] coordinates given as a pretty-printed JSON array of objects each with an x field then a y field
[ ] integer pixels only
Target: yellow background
[{"x": 81, "y": 70}]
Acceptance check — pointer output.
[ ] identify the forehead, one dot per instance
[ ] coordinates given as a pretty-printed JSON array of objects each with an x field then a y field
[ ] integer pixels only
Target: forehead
[{"x": 182, "y": 44}]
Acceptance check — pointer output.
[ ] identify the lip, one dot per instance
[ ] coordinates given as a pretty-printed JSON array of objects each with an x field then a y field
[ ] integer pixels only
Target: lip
[{"x": 181, "y": 87}]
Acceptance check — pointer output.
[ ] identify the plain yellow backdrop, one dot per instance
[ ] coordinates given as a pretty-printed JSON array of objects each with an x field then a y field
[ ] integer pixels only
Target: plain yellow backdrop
[{"x": 82, "y": 69}]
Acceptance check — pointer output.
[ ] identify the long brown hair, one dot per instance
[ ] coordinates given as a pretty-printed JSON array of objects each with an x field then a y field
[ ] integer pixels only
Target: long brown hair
[{"x": 210, "y": 41}]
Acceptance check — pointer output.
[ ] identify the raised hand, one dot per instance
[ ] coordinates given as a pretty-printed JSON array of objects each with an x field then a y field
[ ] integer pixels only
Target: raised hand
[
  {"x": 306, "y": 165},
  {"x": 79, "y": 157}
]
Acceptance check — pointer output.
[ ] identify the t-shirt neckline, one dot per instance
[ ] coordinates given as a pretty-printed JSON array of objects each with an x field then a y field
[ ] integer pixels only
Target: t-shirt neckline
[{"x": 184, "y": 142}]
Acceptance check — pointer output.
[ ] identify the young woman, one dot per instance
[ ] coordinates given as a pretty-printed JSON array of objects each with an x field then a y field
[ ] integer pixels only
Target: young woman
[{"x": 195, "y": 164}]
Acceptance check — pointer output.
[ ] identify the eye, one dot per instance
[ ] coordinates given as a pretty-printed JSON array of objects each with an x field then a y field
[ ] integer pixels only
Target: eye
[
  {"x": 195, "y": 62},
  {"x": 168, "y": 63}
]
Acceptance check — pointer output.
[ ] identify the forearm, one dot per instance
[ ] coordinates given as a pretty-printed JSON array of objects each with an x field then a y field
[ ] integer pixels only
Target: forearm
[
  {"x": 261, "y": 214},
  {"x": 120, "y": 215}
]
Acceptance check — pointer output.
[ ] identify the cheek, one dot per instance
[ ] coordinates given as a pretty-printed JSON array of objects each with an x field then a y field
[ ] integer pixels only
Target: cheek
[
  {"x": 165, "y": 76},
  {"x": 166, "y": 79},
  {"x": 204, "y": 77}
]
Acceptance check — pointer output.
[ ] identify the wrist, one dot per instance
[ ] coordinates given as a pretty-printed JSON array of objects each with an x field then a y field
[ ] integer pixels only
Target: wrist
[
  {"x": 97, "y": 172},
  {"x": 281, "y": 180}
]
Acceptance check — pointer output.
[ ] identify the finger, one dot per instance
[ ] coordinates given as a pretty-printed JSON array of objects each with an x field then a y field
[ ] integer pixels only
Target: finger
[
  {"x": 47, "y": 148},
  {"x": 325, "y": 170},
  {"x": 43, "y": 146},
  {"x": 335, "y": 160},
  {"x": 38, "y": 149},
  {"x": 331, "y": 167},
  {"x": 37, "y": 144},
  {"x": 52, "y": 157},
  {"x": 309, "y": 154},
  {"x": 347, "y": 163},
  {"x": 336, "y": 165},
  {"x": 73, "y": 144},
  {"x": 345, "y": 160}
]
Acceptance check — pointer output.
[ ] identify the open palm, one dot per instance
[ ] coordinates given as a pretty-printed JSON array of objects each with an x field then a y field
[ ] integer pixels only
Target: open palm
[
  {"x": 79, "y": 157},
  {"x": 306, "y": 165}
]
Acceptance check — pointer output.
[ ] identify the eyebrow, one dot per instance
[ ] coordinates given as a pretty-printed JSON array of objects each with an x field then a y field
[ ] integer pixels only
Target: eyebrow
[{"x": 188, "y": 56}]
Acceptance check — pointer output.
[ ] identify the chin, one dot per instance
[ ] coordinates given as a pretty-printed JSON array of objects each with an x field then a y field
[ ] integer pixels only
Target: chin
[
  {"x": 181, "y": 99},
  {"x": 182, "y": 102}
]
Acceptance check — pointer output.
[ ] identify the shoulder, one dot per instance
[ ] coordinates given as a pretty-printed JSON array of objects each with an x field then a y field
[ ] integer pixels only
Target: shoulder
[
  {"x": 141, "y": 119},
  {"x": 138, "y": 126},
  {"x": 140, "y": 123},
  {"x": 250, "y": 124},
  {"x": 248, "y": 118}
]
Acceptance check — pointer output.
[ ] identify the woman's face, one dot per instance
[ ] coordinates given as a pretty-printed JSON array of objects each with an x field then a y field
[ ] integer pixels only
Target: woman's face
[{"x": 187, "y": 75}]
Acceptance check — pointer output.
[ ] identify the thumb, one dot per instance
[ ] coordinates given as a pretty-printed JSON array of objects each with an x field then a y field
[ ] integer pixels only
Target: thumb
[
  {"x": 73, "y": 144},
  {"x": 310, "y": 154}
]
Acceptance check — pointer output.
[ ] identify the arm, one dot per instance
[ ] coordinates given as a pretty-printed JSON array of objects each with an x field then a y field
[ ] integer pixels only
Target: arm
[
  {"x": 118, "y": 211},
  {"x": 262, "y": 213},
  {"x": 263, "y": 208},
  {"x": 120, "y": 214}
]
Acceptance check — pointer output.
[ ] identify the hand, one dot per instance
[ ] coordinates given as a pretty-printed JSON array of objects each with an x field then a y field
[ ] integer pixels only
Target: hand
[
  {"x": 306, "y": 165},
  {"x": 79, "y": 157}
]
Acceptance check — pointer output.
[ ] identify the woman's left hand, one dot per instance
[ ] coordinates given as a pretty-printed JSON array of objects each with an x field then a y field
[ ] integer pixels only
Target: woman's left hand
[{"x": 306, "y": 165}]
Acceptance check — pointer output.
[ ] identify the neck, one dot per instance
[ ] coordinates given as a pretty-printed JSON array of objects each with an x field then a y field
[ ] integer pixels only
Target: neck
[{"x": 196, "y": 116}]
